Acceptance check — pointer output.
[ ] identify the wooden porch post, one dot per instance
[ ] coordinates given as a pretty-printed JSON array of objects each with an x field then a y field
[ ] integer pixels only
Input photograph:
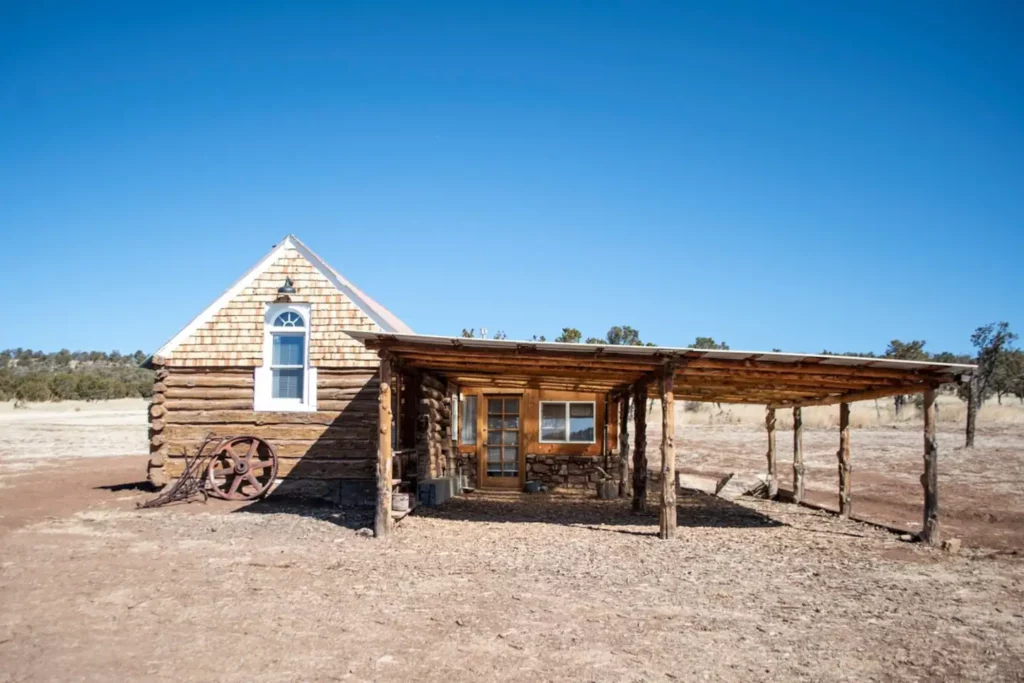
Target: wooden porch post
[
  {"x": 640, "y": 447},
  {"x": 383, "y": 522},
  {"x": 605, "y": 445},
  {"x": 667, "y": 515},
  {"x": 773, "y": 472},
  {"x": 930, "y": 478},
  {"x": 624, "y": 483},
  {"x": 844, "y": 460},
  {"x": 798, "y": 455}
]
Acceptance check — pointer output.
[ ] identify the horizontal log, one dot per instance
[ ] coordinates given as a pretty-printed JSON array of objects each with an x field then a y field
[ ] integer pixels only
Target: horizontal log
[
  {"x": 250, "y": 417},
  {"x": 355, "y": 407},
  {"x": 157, "y": 410},
  {"x": 156, "y": 425},
  {"x": 330, "y": 394},
  {"x": 297, "y": 448},
  {"x": 157, "y": 398},
  {"x": 157, "y": 440},
  {"x": 351, "y": 430},
  {"x": 301, "y": 468},
  {"x": 161, "y": 374},
  {"x": 345, "y": 382},
  {"x": 209, "y": 392},
  {"x": 237, "y": 380},
  {"x": 213, "y": 404}
]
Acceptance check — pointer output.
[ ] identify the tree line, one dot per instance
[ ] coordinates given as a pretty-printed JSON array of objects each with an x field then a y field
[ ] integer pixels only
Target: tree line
[{"x": 31, "y": 376}]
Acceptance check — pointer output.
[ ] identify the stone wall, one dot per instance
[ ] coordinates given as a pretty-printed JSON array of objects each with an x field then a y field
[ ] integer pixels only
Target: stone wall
[{"x": 564, "y": 472}]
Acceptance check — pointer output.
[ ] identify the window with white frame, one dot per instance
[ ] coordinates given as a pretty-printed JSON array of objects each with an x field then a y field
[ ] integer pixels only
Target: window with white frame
[
  {"x": 286, "y": 382},
  {"x": 567, "y": 422}
]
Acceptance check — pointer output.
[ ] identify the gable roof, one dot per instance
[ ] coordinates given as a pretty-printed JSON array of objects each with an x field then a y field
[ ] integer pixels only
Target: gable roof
[{"x": 385, "y": 319}]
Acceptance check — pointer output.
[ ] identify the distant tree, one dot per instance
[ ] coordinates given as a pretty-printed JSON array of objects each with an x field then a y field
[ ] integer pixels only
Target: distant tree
[
  {"x": 570, "y": 335},
  {"x": 709, "y": 343},
  {"x": 34, "y": 389},
  {"x": 468, "y": 334},
  {"x": 596, "y": 340},
  {"x": 500, "y": 334},
  {"x": 541, "y": 338},
  {"x": 992, "y": 341},
  {"x": 139, "y": 356},
  {"x": 1008, "y": 374},
  {"x": 913, "y": 350},
  {"x": 63, "y": 386},
  {"x": 949, "y": 357},
  {"x": 623, "y": 336}
]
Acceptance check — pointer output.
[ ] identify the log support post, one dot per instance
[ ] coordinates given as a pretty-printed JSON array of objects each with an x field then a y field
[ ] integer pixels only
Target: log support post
[
  {"x": 773, "y": 471},
  {"x": 843, "y": 456},
  {"x": 625, "y": 489},
  {"x": 930, "y": 478},
  {"x": 798, "y": 455},
  {"x": 667, "y": 514},
  {"x": 640, "y": 447},
  {"x": 383, "y": 522}
]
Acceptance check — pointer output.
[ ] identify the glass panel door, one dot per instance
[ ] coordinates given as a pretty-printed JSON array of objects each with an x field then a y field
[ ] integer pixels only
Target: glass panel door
[{"x": 501, "y": 450}]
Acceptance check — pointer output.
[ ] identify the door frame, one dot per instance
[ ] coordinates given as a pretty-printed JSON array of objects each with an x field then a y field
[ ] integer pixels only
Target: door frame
[{"x": 483, "y": 481}]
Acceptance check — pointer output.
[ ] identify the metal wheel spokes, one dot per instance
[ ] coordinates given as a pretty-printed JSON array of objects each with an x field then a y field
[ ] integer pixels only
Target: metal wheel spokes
[{"x": 242, "y": 468}]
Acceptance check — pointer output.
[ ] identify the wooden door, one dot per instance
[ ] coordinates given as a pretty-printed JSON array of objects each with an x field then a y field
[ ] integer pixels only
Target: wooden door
[{"x": 501, "y": 455}]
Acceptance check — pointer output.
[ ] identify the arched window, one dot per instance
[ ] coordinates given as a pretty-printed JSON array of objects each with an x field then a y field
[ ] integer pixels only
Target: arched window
[
  {"x": 286, "y": 382},
  {"x": 289, "y": 319}
]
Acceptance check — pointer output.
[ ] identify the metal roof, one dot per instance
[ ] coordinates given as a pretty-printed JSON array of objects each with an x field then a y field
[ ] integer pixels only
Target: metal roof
[{"x": 701, "y": 374}]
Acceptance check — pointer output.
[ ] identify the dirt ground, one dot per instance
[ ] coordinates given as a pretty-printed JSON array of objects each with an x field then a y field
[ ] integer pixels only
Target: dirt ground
[{"x": 501, "y": 587}]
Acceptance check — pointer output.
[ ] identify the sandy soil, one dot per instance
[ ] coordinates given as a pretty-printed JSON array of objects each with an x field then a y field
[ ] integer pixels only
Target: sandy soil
[{"x": 502, "y": 587}]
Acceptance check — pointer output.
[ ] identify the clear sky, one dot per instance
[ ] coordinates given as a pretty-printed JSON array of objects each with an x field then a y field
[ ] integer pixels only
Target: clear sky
[{"x": 801, "y": 175}]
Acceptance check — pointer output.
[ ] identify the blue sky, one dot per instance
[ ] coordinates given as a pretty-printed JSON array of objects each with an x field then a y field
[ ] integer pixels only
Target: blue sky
[{"x": 796, "y": 175}]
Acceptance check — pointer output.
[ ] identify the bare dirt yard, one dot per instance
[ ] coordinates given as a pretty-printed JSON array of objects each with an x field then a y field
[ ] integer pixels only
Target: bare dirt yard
[{"x": 503, "y": 587}]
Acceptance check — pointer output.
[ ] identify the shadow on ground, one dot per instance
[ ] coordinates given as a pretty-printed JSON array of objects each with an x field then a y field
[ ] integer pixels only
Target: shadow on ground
[
  {"x": 349, "y": 517},
  {"x": 518, "y": 508}
]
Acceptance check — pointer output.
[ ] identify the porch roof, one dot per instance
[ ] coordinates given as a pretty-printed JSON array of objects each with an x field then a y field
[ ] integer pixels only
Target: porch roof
[{"x": 758, "y": 377}]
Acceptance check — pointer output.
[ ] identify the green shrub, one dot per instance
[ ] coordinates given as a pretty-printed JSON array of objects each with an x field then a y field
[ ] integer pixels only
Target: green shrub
[{"x": 33, "y": 390}]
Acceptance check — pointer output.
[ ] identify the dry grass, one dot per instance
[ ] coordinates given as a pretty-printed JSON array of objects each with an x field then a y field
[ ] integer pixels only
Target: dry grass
[{"x": 882, "y": 413}]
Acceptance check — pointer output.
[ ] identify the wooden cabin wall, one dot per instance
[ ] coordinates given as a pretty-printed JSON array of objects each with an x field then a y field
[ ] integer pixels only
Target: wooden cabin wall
[
  {"x": 338, "y": 442},
  {"x": 561, "y": 466},
  {"x": 433, "y": 438}
]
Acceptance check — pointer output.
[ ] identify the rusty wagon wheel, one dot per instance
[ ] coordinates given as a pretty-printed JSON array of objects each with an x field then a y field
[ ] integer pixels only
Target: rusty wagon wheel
[{"x": 242, "y": 468}]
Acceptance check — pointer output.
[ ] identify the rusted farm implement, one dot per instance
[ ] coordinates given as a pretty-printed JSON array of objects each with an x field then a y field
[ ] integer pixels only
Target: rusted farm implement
[{"x": 227, "y": 467}]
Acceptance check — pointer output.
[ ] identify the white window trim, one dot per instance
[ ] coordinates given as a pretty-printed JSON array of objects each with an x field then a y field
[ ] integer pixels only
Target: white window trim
[
  {"x": 540, "y": 422},
  {"x": 263, "y": 399}
]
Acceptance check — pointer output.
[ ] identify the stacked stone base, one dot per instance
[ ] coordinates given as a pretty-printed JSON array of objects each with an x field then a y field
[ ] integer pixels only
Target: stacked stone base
[{"x": 569, "y": 473}]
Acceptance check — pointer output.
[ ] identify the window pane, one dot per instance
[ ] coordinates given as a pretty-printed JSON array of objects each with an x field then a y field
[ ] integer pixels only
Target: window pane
[
  {"x": 511, "y": 462},
  {"x": 288, "y": 349},
  {"x": 494, "y": 437},
  {"x": 552, "y": 422},
  {"x": 287, "y": 383},
  {"x": 581, "y": 410},
  {"x": 510, "y": 438},
  {"x": 494, "y": 456},
  {"x": 469, "y": 420},
  {"x": 581, "y": 422},
  {"x": 511, "y": 406},
  {"x": 512, "y": 422},
  {"x": 494, "y": 422},
  {"x": 494, "y": 406},
  {"x": 289, "y": 319}
]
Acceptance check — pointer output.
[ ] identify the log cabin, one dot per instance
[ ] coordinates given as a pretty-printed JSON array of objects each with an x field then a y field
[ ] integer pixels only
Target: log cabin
[
  {"x": 270, "y": 358},
  {"x": 357, "y": 405}
]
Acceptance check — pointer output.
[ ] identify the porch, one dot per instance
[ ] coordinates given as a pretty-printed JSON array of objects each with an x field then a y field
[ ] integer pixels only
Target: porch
[{"x": 628, "y": 376}]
